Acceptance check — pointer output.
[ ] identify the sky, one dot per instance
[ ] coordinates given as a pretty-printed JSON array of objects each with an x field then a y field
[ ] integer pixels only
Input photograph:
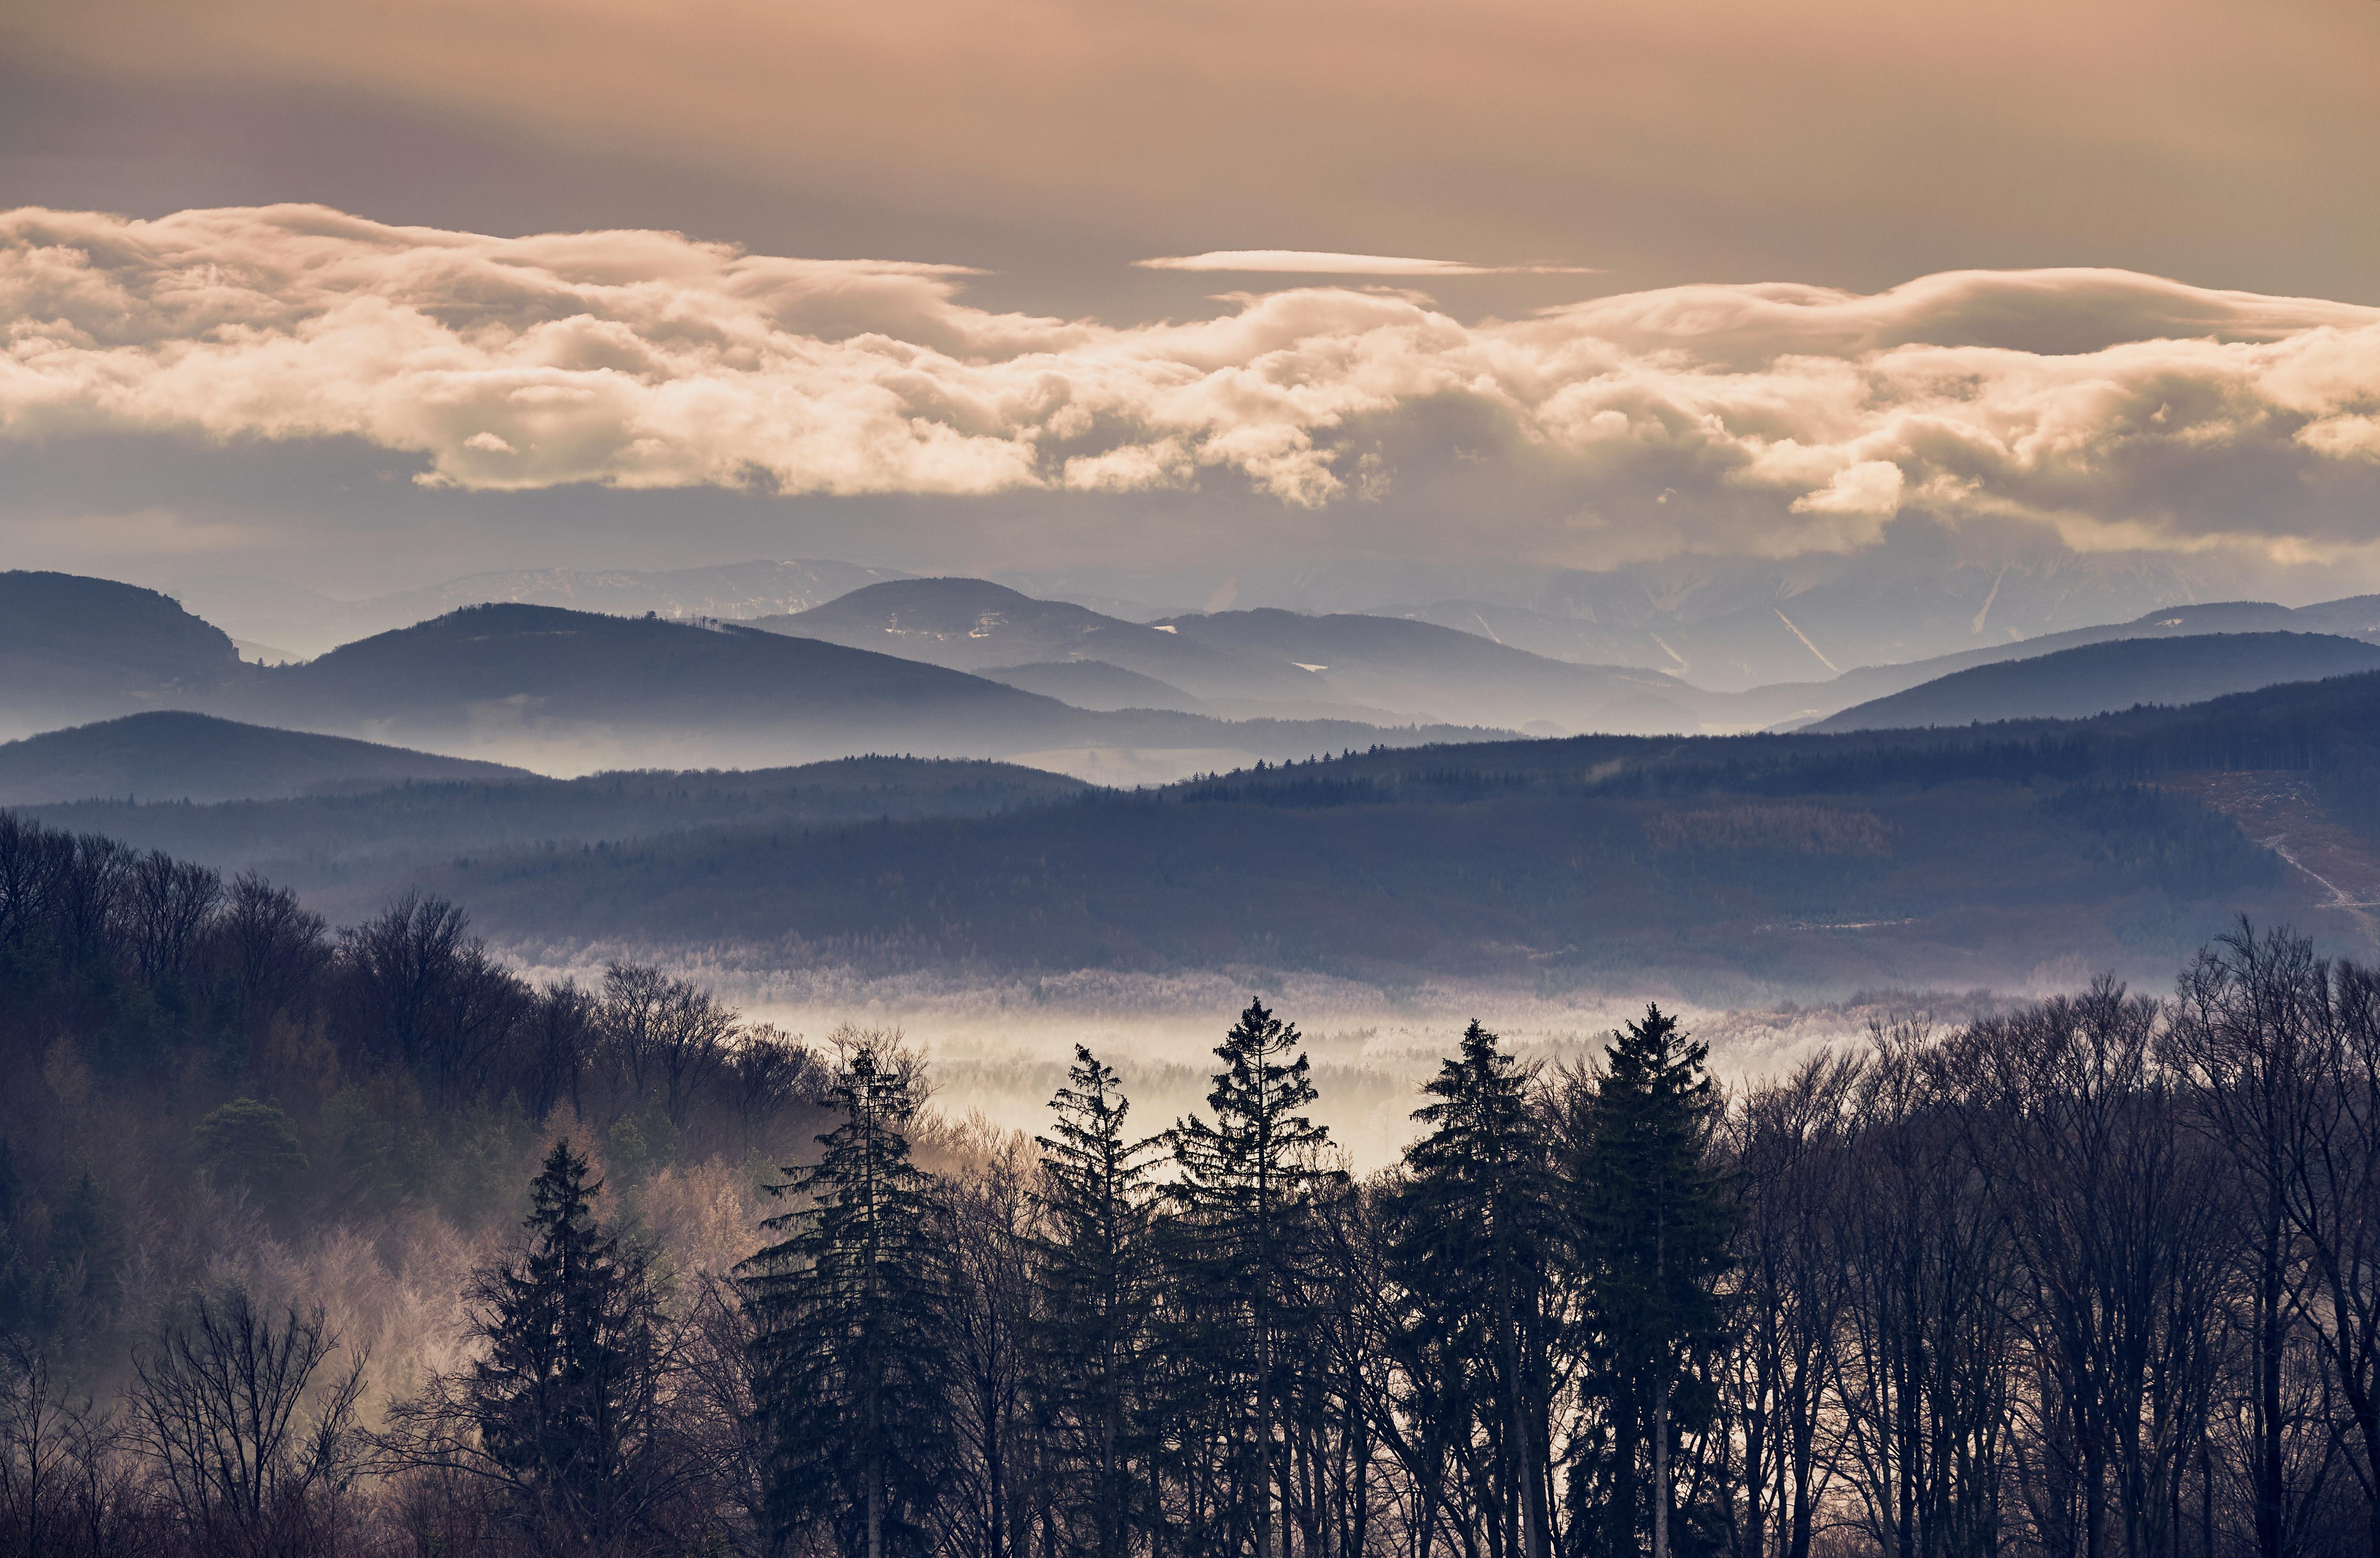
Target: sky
[{"x": 368, "y": 295}]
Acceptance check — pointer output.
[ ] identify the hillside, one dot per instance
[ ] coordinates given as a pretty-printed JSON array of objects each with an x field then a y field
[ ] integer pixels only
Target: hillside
[
  {"x": 2095, "y": 678},
  {"x": 172, "y": 754},
  {"x": 1734, "y": 868},
  {"x": 561, "y": 689},
  {"x": 1726, "y": 869},
  {"x": 577, "y": 692},
  {"x": 1801, "y": 702},
  {"x": 77, "y": 648},
  {"x": 1094, "y": 685},
  {"x": 1423, "y": 669},
  {"x": 353, "y": 847},
  {"x": 308, "y": 623},
  {"x": 971, "y": 624}
]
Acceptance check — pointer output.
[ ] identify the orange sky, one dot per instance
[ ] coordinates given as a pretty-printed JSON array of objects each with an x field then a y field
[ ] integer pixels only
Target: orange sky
[
  {"x": 1854, "y": 142},
  {"x": 2041, "y": 191}
]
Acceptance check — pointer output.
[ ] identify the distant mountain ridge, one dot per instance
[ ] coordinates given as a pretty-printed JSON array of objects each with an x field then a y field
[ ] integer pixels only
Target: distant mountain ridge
[
  {"x": 973, "y": 625},
  {"x": 1421, "y": 668},
  {"x": 2091, "y": 679},
  {"x": 269, "y": 611},
  {"x": 575, "y": 692},
  {"x": 1726, "y": 624}
]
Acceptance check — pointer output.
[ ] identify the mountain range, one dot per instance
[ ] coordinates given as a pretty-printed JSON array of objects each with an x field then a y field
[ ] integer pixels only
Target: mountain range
[
  {"x": 301, "y": 623},
  {"x": 573, "y": 692},
  {"x": 971, "y": 668}
]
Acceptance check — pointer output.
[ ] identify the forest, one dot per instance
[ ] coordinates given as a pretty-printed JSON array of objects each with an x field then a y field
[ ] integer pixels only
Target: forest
[
  {"x": 1725, "y": 869},
  {"x": 354, "y": 1241}
]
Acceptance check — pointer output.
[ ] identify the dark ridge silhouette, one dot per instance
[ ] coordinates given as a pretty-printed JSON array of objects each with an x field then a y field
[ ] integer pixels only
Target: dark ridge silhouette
[
  {"x": 77, "y": 648},
  {"x": 173, "y": 754},
  {"x": 2101, "y": 678},
  {"x": 1798, "y": 702}
]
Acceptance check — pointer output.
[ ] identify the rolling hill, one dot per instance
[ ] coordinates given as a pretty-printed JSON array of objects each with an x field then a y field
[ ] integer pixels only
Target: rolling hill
[
  {"x": 308, "y": 622},
  {"x": 1727, "y": 868},
  {"x": 352, "y": 846},
  {"x": 1730, "y": 869},
  {"x": 81, "y": 648},
  {"x": 173, "y": 754},
  {"x": 1425, "y": 670},
  {"x": 972, "y": 625},
  {"x": 577, "y": 689},
  {"x": 574, "y": 692},
  {"x": 1801, "y": 702},
  {"x": 2098, "y": 678}
]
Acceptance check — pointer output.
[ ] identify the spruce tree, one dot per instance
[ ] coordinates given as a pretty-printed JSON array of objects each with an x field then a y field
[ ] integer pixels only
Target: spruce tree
[
  {"x": 1653, "y": 1228},
  {"x": 567, "y": 1398},
  {"x": 850, "y": 1351},
  {"x": 1472, "y": 1244},
  {"x": 1093, "y": 1267},
  {"x": 1244, "y": 1191}
]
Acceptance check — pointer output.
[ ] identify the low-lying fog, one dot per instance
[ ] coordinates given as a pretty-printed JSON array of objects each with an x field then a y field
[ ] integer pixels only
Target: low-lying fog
[{"x": 1001, "y": 1049}]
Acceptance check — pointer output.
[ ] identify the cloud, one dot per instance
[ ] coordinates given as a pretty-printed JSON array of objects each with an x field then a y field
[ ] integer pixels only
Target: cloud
[
  {"x": 2124, "y": 409},
  {"x": 1299, "y": 261}
]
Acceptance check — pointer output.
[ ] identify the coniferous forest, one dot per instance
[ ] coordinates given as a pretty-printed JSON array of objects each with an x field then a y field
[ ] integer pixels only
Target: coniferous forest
[{"x": 357, "y": 1242}]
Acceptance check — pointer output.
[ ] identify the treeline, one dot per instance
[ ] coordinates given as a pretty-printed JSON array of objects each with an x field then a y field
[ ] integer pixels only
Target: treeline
[
  {"x": 163, "y": 1028},
  {"x": 2098, "y": 1277}
]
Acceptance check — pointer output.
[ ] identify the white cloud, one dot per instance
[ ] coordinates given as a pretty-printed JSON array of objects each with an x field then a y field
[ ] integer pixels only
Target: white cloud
[
  {"x": 2122, "y": 408},
  {"x": 1299, "y": 261}
]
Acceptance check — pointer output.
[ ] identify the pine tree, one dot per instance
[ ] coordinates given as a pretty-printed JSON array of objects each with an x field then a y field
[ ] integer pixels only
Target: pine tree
[
  {"x": 1473, "y": 1246},
  {"x": 853, "y": 1367},
  {"x": 1654, "y": 1227},
  {"x": 1244, "y": 1191},
  {"x": 1094, "y": 1269},
  {"x": 568, "y": 1399}
]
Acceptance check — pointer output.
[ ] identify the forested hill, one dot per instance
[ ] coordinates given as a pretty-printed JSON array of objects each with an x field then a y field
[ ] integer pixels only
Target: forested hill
[
  {"x": 175, "y": 754},
  {"x": 2095, "y": 678},
  {"x": 1731, "y": 867}
]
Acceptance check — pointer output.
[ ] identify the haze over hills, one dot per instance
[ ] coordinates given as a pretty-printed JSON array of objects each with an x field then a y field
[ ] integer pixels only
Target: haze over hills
[
  {"x": 974, "y": 624},
  {"x": 1799, "y": 703},
  {"x": 1733, "y": 625},
  {"x": 1418, "y": 668},
  {"x": 2100, "y": 678},
  {"x": 1732, "y": 869},
  {"x": 289, "y": 617},
  {"x": 581, "y": 690},
  {"x": 78, "y": 648},
  {"x": 1095, "y": 684},
  {"x": 1726, "y": 624},
  {"x": 587, "y": 691},
  {"x": 173, "y": 755},
  {"x": 574, "y": 692}
]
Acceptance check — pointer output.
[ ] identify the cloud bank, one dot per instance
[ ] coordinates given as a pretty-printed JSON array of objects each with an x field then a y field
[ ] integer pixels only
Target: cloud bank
[
  {"x": 1312, "y": 263},
  {"x": 2125, "y": 409}
]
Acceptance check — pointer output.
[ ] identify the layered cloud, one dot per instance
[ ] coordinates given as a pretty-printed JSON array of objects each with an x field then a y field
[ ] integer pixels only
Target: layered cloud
[
  {"x": 2125, "y": 409},
  {"x": 1312, "y": 263}
]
